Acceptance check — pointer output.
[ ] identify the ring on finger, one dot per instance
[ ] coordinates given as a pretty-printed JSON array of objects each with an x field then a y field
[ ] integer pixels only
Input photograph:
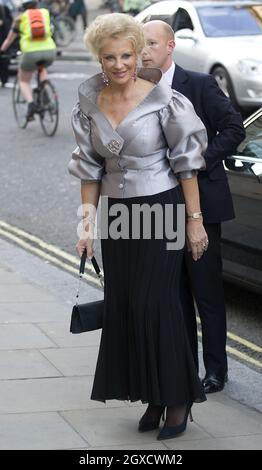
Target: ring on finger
[{"x": 205, "y": 245}]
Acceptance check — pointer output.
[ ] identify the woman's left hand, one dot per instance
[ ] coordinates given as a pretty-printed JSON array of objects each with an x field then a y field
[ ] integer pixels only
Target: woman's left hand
[{"x": 197, "y": 239}]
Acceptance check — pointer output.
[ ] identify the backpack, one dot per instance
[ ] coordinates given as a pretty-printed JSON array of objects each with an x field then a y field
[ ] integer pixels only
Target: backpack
[{"x": 37, "y": 24}]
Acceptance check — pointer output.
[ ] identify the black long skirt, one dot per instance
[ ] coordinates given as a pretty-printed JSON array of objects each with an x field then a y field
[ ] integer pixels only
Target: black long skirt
[{"x": 144, "y": 351}]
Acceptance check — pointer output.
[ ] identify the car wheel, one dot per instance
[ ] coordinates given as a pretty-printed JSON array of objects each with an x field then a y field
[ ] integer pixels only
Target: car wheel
[{"x": 224, "y": 81}]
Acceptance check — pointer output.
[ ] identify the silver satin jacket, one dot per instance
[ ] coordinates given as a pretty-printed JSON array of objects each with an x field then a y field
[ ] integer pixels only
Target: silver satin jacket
[{"x": 159, "y": 141}]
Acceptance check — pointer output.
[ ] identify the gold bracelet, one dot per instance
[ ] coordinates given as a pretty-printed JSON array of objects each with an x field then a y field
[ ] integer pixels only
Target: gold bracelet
[{"x": 195, "y": 216}]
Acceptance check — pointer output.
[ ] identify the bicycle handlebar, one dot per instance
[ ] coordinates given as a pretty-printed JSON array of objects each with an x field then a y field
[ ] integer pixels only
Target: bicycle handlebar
[
  {"x": 8, "y": 54},
  {"x": 4, "y": 55}
]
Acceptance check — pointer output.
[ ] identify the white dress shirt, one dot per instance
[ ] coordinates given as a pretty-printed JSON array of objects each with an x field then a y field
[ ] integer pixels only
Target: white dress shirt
[{"x": 169, "y": 74}]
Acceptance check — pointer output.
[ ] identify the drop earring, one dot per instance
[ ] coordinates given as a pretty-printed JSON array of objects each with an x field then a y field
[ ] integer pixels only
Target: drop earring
[
  {"x": 134, "y": 75},
  {"x": 105, "y": 78}
]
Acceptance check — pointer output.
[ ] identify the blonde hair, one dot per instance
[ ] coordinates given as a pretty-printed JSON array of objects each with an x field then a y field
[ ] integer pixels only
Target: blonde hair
[{"x": 113, "y": 25}]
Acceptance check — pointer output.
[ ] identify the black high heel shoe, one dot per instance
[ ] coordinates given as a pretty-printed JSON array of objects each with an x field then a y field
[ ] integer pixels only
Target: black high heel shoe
[
  {"x": 168, "y": 432},
  {"x": 146, "y": 425}
]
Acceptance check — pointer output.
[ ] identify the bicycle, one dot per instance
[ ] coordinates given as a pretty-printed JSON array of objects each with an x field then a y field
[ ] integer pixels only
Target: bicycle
[
  {"x": 45, "y": 100},
  {"x": 64, "y": 30}
]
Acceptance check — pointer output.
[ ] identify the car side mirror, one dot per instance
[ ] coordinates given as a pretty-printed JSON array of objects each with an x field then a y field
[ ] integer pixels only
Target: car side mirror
[
  {"x": 246, "y": 165},
  {"x": 186, "y": 33}
]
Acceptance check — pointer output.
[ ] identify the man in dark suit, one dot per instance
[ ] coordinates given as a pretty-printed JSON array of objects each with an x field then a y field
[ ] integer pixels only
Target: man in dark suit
[{"x": 225, "y": 131}]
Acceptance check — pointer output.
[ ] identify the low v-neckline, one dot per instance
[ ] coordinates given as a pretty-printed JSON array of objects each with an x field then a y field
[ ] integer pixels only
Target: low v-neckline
[
  {"x": 159, "y": 96},
  {"x": 127, "y": 115}
]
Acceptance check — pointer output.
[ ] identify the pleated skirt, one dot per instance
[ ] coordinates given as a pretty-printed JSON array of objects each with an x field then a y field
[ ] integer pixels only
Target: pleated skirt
[{"x": 144, "y": 351}]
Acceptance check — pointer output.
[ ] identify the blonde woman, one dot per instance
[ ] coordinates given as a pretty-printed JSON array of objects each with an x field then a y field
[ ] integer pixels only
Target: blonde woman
[{"x": 140, "y": 144}]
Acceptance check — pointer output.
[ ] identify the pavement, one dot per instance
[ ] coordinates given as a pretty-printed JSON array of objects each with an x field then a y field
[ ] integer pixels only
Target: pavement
[{"x": 46, "y": 375}]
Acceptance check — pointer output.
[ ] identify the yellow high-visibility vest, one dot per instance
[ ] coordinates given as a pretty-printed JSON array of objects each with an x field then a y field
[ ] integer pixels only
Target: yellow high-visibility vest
[{"x": 27, "y": 44}]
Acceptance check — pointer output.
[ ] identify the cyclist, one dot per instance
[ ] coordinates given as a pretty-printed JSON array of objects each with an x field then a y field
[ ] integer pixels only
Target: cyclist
[
  {"x": 78, "y": 7},
  {"x": 36, "y": 44}
]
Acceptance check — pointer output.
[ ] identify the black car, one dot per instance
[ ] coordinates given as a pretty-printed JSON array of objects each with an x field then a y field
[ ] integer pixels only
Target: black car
[{"x": 242, "y": 237}]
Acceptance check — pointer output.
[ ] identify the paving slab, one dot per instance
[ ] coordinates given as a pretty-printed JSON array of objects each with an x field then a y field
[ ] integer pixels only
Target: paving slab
[
  {"x": 23, "y": 336},
  {"x": 221, "y": 416},
  {"x": 230, "y": 443},
  {"x": 118, "y": 427},
  {"x": 138, "y": 447},
  {"x": 59, "y": 333},
  {"x": 73, "y": 361},
  {"x": 25, "y": 364},
  {"x": 35, "y": 431},
  {"x": 34, "y": 312},
  {"x": 24, "y": 292},
  {"x": 49, "y": 394}
]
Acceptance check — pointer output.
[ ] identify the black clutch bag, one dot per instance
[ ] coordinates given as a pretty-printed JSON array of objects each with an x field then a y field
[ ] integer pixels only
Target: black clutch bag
[{"x": 89, "y": 316}]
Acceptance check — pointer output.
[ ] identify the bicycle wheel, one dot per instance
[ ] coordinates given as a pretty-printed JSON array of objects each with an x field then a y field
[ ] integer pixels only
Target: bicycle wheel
[
  {"x": 48, "y": 104},
  {"x": 19, "y": 106},
  {"x": 64, "y": 31}
]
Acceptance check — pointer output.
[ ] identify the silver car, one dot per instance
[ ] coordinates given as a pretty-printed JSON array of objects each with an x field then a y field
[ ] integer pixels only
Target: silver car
[{"x": 220, "y": 38}]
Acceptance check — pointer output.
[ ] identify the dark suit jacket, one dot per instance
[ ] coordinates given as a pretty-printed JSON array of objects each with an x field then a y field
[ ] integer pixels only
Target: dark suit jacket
[
  {"x": 6, "y": 17},
  {"x": 225, "y": 132}
]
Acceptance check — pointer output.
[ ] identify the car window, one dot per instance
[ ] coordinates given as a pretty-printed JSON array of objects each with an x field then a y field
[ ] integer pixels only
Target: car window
[
  {"x": 182, "y": 20},
  {"x": 231, "y": 20},
  {"x": 167, "y": 18},
  {"x": 146, "y": 19},
  {"x": 252, "y": 145}
]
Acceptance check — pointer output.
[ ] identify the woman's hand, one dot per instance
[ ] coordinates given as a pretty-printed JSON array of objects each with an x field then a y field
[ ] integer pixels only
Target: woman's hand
[
  {"x": 87, "y": 245},
  {"x": 197, "y": 239}
]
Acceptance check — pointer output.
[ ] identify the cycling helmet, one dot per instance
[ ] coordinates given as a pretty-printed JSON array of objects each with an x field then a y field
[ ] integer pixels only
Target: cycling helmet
[{"x": 28, "y": 3}]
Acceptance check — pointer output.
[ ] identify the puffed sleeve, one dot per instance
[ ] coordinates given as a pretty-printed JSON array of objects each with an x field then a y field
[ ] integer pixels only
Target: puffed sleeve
[
  {"x": 186, "y": 136},
  {"x": 85, "y": 163}
]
